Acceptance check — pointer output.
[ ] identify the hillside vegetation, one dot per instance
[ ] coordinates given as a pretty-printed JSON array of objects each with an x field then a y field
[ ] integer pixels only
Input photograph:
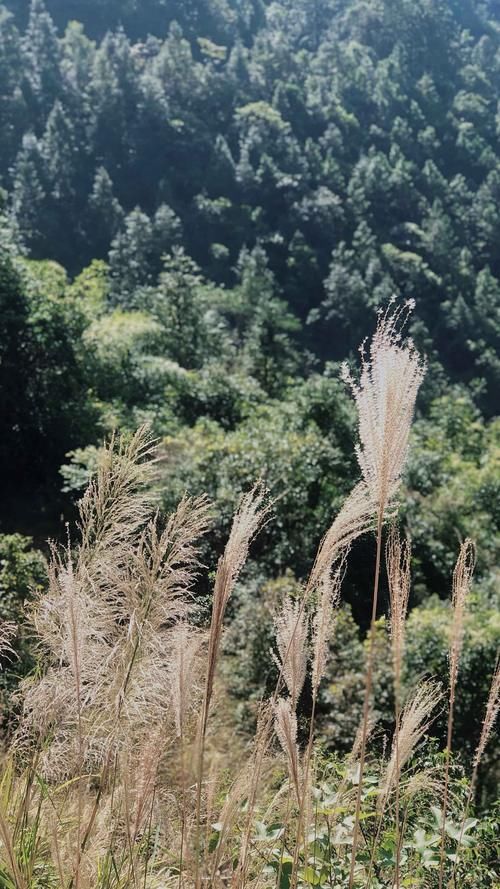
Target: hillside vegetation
[{"x": 206, "y": 207}]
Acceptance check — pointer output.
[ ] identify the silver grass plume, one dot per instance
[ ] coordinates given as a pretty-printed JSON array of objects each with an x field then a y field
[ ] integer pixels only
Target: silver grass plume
[
  {"x": 251, "y": 514},
  {"x": 398, "y": 571},
  {"x": 104, "y": 625},
  {"x": 490, "y": 716},
  {"x": 183, "y": 673},
  {"x": 391, "y": 374},
  {"x": 117, "y": 501},
  {"x": 462, "y": 579},
  {"x": 291, "y": 638},
  {"x": 323, "y": 624},
  {"x": 354, "y": 519},
  {"x": 415, "y": 722},
  {"x": 8, "y": 630},
  {"x": 285, "y": 726}
]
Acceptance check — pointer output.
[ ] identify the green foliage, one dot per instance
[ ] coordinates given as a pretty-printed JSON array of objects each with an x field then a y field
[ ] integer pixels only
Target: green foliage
[
  {"x": 325, "y": 857},
  {"x": 22, "y": 574},
  {"x": 43, "y": 378},
  {"x": 453, "y": 491},
  {"x": 428, "y": 635},
  {"x": 355, "y": 143},
  {"x": 233, "y": 198},
  {"x": 283, "y": 443}
]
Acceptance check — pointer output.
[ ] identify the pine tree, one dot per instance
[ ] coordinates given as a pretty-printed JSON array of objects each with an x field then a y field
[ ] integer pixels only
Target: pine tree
[
  {"x": 28, "y": 192},
  {"x": 42, "y": 55},
  {"x": 105, "y": 214},
  {"x": 13, "y": 111},
  {"x": 129, "y": 259}
]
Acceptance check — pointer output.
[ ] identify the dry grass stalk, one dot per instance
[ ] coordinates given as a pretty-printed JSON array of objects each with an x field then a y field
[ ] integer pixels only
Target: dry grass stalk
[
  {"x": 183, "y": 672},
  {"x": 398, "y": 571},
  {"x": 490, "y": 716},
  {"x": 323, "y": 621},
  {"x": 285, "y": 724},
  {"x": 261, "y": 744},
  {"x": 250, "y": 516},
  {"x": 354, "y": 519},
  {"x": 323, "y": 626},
  {"x": 291, "y": 638},
  {"x": 8, "y": 630},
  {"x": 142, "y": 776},
  {"x": 104, "y": 628},
  {"x": 409, "y": 730},
  {"x": 385, "y": 397},
  {"x": 462, "y": 579},
  {"x": 415, "y": 722}
]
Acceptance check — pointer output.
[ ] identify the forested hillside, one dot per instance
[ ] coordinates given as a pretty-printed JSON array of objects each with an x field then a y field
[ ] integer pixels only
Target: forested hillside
[{"x": 204, "y": 204}]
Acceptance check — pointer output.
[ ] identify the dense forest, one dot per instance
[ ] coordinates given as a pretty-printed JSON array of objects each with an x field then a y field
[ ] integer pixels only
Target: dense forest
[{"x": 204, "y": 204}]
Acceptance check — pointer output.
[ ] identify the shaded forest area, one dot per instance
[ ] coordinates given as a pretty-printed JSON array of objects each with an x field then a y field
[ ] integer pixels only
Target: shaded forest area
[{"x": 203, "y": 206}]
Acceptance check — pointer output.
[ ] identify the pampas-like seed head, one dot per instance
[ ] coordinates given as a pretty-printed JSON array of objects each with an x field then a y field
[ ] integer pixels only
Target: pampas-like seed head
[
  {"x": 285, "y": 726},
  {"x": 323, "y": 624},
  {"x": 391, "y": 375},
  {"x": 251, "y": 514},
  {"x": 398, "y": 571},
  {"x": 353, "y": 520},
  {"x": 105, "y": 623},
  {"x": 291, "y": 639},
  {"x": 492, "y": 709},
  {"x": 462, "y": 579},
  {"x": 415, "y": 721},
  {"x": 182, "y": 673}
]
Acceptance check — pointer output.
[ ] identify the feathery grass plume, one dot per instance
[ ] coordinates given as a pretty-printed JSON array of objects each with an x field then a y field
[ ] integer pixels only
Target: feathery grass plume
[
  {"x": 323, "y": 625},
  {"x": 117, "y": 501},
  {"x": 409, "y": 730},
  {"x": 291, "y": 627},
  {"x": 104, "y": 627},
  {"x": 398, "y": 571},
  {"x": 142, "y": 776},
  {"x": 251, "y": 514},
  {"x": 182, "y": 672},
  {"x": 8, "y": 630},
  {"x": 109, "y": 630},
  {"x": 354, "y": 519},
  {"x": 285, "y": 725},
  {"x": 490, "y": 716},
  {"x": 385, "y": 397},
  {"x": 462, "y": 579},
  {"x": 415, "y": 722}
]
